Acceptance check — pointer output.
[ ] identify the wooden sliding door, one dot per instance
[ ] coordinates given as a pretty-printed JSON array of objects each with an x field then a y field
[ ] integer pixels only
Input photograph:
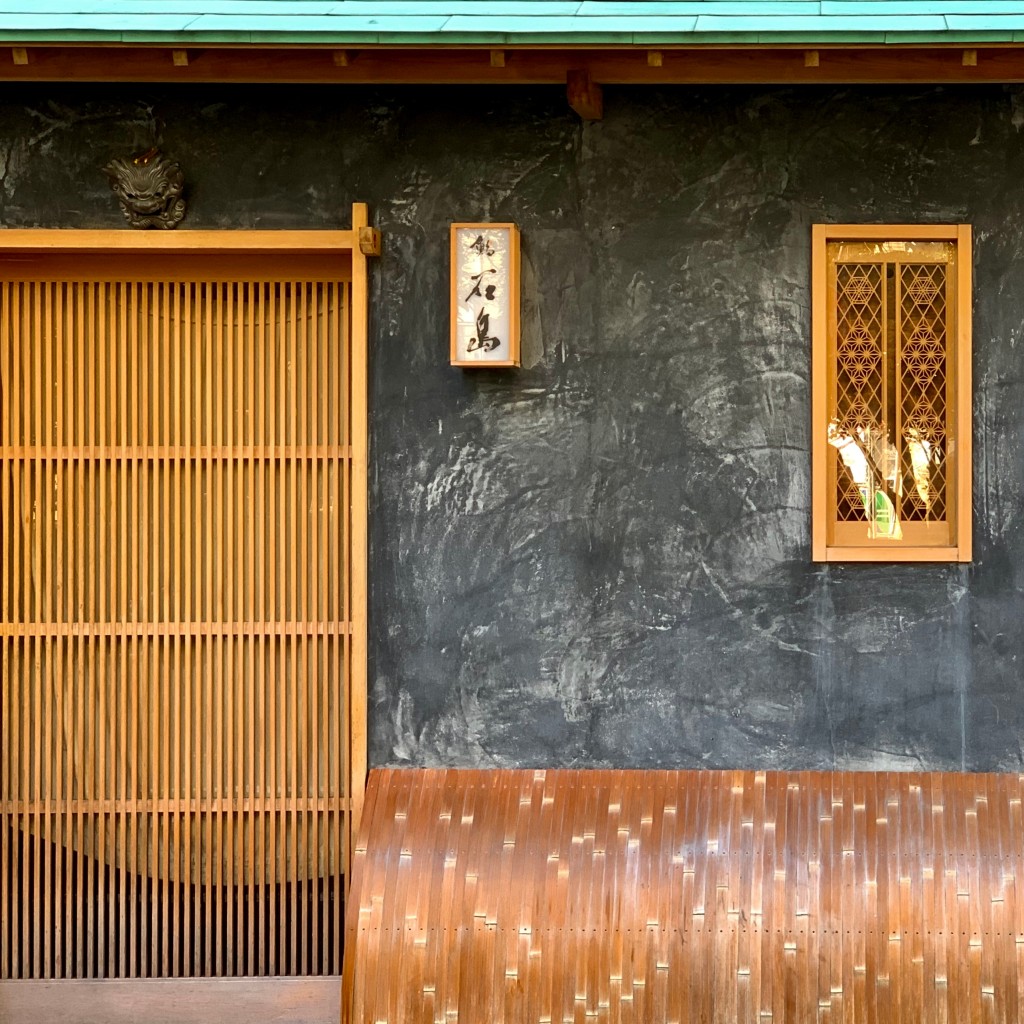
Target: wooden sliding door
[{"x": 182, "y": 521}]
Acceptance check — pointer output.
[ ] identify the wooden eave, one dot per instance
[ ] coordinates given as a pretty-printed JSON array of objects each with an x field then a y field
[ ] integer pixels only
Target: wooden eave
[{"x": 779, "y": 63}]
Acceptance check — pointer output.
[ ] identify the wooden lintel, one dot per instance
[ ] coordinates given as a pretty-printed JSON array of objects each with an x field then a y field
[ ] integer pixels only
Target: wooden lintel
[
  {"x": 611, "y": 66},
  {"x": 654, "y": 59},
  {"x": 369, "y": 241},
  {"x": 812, "y": 59},
  {"x": 179, "y": 58},
  {"x": 584, "y": 95},
  {"x": 19, "y": 55},
  {"x": 497, "y": 58},
  {"x": 970, "y": 59}
]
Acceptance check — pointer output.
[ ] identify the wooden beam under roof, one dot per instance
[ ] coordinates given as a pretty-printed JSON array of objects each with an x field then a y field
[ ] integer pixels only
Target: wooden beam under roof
[{"x": 522, "y": 65}]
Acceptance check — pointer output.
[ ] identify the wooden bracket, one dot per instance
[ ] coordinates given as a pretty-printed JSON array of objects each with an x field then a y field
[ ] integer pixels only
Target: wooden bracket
[
  {"x": 497, "y": 58},
  {"x": 654, "y": 59},
  {"x": 19, "y": 55},
  {"x": 812, "y": 58},
  {"x": 970, "y": 58},
  {"x": 179, "y": 58},
  {"x": 584, "y": 95},
  {"x": 369, "y": 241},
  {"x": 342, "y": 58}
]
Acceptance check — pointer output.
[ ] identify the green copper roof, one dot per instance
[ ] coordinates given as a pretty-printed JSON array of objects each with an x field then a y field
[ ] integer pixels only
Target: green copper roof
[{"x": 448, "y": 22}]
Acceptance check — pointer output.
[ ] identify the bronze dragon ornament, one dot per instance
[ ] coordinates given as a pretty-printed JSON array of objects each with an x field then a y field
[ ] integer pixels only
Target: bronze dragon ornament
[{"x": 149, "y": 188}]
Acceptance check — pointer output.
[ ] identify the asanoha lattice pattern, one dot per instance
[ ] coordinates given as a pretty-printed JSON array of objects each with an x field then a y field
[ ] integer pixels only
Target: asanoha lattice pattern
[
  {"x": 923, "y": 377},
  {"x": 861, "y": 391},
  {"x": 569, "y": 897},
  {"x": 891, "y": 386}
]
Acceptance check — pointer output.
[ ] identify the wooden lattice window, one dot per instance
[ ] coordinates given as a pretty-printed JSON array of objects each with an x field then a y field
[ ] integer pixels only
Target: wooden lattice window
[
  {"x": 892, "y": 393},
  {"x": 182, "y": 600}
]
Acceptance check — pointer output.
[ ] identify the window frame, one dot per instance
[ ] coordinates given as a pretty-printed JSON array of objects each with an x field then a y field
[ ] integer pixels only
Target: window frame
[{"x": 824, "y": 547}]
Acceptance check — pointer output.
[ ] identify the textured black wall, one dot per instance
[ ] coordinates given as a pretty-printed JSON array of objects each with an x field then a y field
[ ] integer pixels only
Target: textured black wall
[{"x": 603, "y": 558}]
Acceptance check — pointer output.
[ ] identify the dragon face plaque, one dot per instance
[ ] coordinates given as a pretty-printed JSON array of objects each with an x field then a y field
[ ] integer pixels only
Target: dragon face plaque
[{"x": 149, "y": 188}]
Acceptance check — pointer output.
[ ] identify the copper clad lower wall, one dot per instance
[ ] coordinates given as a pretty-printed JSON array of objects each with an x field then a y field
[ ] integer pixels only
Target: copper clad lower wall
[{"x": 551, "y": 897}]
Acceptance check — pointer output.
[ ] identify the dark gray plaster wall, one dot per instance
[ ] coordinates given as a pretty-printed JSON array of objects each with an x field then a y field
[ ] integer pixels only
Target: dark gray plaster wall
[{"x": 603, "y": 558}]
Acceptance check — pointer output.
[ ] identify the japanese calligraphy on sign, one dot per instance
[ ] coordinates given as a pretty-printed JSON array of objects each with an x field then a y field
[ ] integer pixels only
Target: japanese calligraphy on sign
[{"x": 485, "y": 295}]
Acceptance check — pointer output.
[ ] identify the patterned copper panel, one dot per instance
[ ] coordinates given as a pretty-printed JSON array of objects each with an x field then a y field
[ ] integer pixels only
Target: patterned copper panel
[{"x": 549, "y": 897}]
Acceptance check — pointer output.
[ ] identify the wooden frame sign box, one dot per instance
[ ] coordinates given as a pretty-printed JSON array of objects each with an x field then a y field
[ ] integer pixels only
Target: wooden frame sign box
[{"x": 485, "y": 295}]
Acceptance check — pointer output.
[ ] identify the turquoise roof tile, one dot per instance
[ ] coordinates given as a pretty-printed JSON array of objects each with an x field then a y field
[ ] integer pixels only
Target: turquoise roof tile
[
  {"x": 447, "y": 22},
  {"x": 667, "y": 8},
  {"x": 985, "y": 23},
  {"x": 561, "y": 26},
  {"x": 863, "y": 23},
  {"x": 913, "y": 7},
  {"x": 313, "y": 23}
]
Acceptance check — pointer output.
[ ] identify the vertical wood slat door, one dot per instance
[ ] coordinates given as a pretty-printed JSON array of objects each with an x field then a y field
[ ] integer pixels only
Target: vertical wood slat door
[{"x": 179, "y": 759}]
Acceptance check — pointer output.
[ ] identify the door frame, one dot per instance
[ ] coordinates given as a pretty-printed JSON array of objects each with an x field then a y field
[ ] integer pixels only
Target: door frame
[{"x": 119, "y": 1000}]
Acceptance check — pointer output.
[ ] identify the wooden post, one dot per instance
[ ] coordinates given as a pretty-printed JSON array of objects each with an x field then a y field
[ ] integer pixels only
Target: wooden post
[
  {"x": 584, "y": 95},
  {"x": 359, "y": 442}
]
